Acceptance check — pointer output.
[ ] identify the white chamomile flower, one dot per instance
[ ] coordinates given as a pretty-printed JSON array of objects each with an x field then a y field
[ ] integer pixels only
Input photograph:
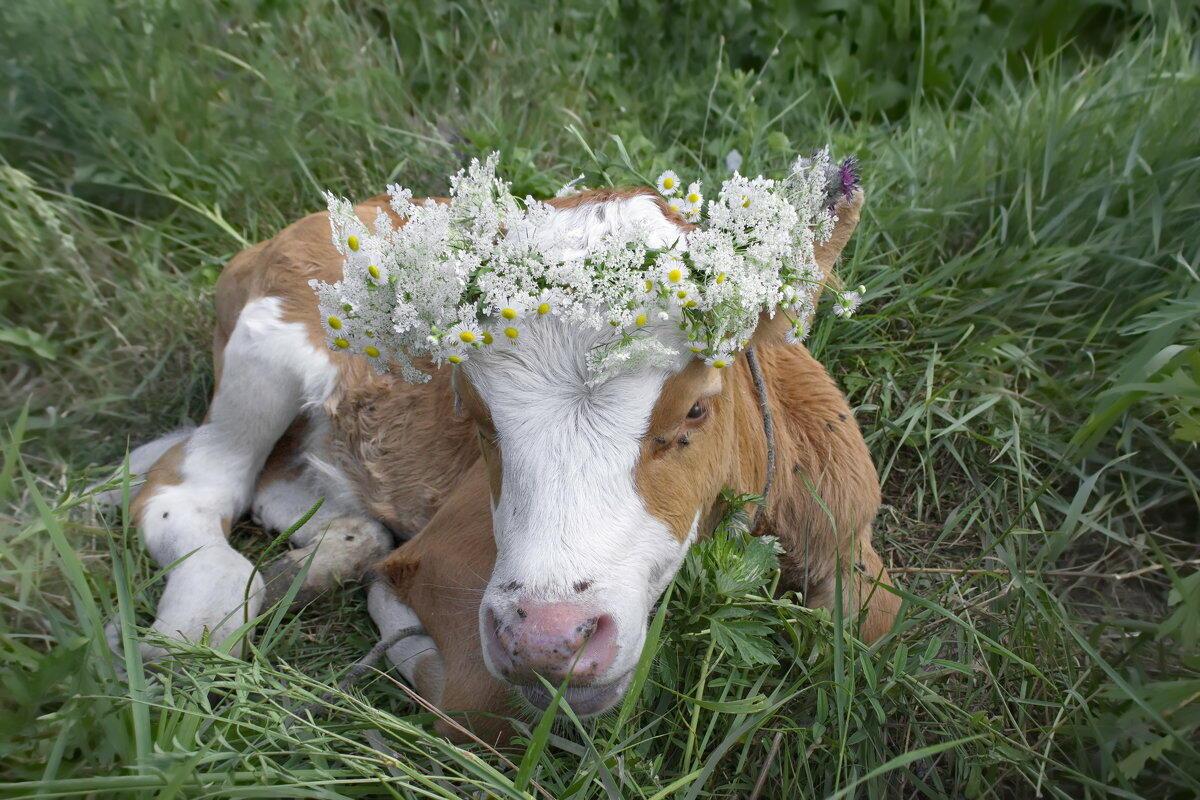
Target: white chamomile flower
[
  {"x": 510, "y": 309},
  {"x": 797, "y": 333},
  {"x": 692, "y": 198},
  {"x": 376, "y": 274},
  {"x": 719, "y": 360},
  {"x": 846, "y": 303},
  {"x": 545, "y": 303},
  {"x": 672, "y": 270},
  {"x": 675, "y": 204},
  {"x": 336, "y": 323},
  {"x": 684, "y": 294},
  {"x": 464, "y": 334},
  {"x": 509, "y": 333},
  {"x": 668, "y": 183}
]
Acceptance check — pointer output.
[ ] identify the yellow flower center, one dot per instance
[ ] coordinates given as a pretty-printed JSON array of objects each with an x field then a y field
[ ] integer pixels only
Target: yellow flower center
[
  {"x": 745, "y": 202},
  {"x": 720, "y": 278},
  {"x": 681, "y": 294},
  {"x": 675, "y": 275},
  {"x": 544, "y": 309},
  {"x": 373, "y": 271},
  {"x": 690, "y": 304},
  {"x": 455, "y": 359},
  {"x": 641, "y": 320},
  {"x": 352, "y": 243},
  {"x": 511, "y": 333},
  {"x": 508, "y": 313},
  {"x": 371, "y": 350},
  {"x": 488, "y": 338},
  {"x": 467, "y": 336},
  {"x": 693, "y": 198},
  {"x": 696, "y": 348},
  {"x": 720, "y": 364},
  {"x": 341, "y": 343},
  {"x": 649, "y": 286},
  {"x": 668, "y": 182},
  {"x": 335, "y": 323}
]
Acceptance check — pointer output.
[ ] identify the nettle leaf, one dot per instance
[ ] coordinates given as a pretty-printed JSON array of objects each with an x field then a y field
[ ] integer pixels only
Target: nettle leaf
[
  {"x": 740, "y": 634},
  {"x": 751, "y": 568},
  {"x": 1184, "y": 622},
  {"x": 1132, "y": 765},
  {"x": 30, "y": 340}
]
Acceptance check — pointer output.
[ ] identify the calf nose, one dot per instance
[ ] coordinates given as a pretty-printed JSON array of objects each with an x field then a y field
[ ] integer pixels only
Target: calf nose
[{"x": 554, "y": 640}]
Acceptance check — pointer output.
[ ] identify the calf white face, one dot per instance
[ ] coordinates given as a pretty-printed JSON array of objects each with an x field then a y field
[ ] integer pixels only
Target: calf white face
[
  {"x": 581, "y": 554},
  {"x": 580, "y": 558}
]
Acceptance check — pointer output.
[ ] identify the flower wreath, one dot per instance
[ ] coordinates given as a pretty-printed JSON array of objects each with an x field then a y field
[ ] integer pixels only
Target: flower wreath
[{"x": 474, "y": 273}]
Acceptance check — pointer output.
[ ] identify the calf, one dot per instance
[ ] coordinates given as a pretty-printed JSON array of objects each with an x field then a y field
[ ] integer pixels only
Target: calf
[{"x": 595, "y": 489}]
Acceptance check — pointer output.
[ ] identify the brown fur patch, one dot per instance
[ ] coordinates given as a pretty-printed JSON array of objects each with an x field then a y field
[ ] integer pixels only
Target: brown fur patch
[
  {"x": 400, "y": 569},
  {"x": 441, "y": 575},
  {"x": 401, "y": 445},
  {"x": 165, "y": 472},
  {"x": 683, "y": 466}
]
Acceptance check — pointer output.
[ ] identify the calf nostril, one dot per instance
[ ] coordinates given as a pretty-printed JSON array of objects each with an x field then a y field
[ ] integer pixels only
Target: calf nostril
[
  {"x": 522, "y": 613},
  {"x": 587, "y": 627},
  {"x": 499, "y": 642},
  {"x": 597, "y": 649}
]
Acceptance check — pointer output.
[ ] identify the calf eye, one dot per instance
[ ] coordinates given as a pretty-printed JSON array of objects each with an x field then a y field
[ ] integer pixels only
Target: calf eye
[{"x": 696, "y": 411}]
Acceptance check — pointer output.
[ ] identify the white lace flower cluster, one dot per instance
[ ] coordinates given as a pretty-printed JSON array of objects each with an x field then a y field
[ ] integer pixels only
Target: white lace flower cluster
[{"x": 474, "y": 273}]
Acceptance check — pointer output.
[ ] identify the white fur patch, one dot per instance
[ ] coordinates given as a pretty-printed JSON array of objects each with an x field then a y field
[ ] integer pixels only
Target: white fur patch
[
  {"x": 569, "y": 513},
  {"x": 582, "y": 227},
  {"x": 271, "y": 371}
]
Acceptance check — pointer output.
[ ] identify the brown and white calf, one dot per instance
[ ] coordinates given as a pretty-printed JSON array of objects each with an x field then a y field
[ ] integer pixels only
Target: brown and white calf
[{"x": 593, "y": 491}]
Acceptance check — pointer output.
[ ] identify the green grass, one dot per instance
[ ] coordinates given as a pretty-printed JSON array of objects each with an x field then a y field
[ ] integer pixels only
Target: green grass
[{"x": 1026, "y": 370}]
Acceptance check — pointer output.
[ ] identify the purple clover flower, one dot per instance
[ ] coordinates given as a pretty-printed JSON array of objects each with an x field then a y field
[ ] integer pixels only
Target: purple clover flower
[{"x": 847, "y": 177}]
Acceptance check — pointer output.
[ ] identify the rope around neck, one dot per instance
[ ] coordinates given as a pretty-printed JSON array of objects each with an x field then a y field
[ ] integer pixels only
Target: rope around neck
[{"x": 764, "y": 406}]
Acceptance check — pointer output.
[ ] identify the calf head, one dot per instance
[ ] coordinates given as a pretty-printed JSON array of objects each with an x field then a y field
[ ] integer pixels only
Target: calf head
[{"x": 598, "y": 488}]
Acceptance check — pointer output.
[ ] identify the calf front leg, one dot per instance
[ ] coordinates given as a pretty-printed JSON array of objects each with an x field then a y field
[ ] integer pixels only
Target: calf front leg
[
  {"x": 269, "y": 371},
  {"x": 212, "y": 590}
]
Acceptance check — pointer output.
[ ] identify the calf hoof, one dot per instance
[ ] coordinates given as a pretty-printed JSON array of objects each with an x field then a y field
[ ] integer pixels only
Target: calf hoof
[
  {"x": 278, "y": 577},
  {"x": 343, "y": 552},
  {"x": 209, "y": 597}
]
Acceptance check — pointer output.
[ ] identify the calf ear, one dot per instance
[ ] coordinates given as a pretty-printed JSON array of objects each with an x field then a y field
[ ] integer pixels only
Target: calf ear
[
  {"x": 846, "y": 211},
  {"x": 399, "y": 570},
  {"x": 772, "y": 329}
]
